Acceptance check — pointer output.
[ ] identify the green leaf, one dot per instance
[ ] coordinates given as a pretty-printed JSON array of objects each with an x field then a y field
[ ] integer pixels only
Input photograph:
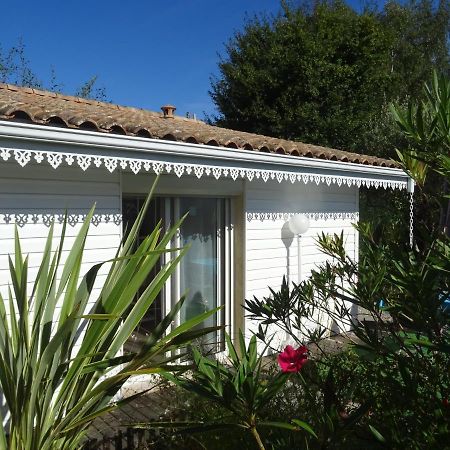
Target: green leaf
[
  {"x": 231, "y": 349},
  {"x": 188, "y": 427},
  {"x": 379, "y": 437},
  {"x": 305, "y": 426},
  {"x": 51, "y": 370},
  {"x": 99, "y": 316},
  {"x": 284, "y": 425},
  {"x": 3, "y": 440}
]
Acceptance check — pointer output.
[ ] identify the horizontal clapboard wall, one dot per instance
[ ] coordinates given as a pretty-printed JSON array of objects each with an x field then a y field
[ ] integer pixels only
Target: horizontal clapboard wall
[
  {"x": 270, "y": 247},
  {"x": 32, "y": 197}
]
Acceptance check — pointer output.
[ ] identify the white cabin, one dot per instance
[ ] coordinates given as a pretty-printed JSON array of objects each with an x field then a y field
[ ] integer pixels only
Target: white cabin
[{"x": 61, "y": 153}]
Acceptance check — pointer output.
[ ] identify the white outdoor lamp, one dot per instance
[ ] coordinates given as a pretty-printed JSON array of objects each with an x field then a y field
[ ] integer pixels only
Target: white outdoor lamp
[{"x": 299, "y": 224}]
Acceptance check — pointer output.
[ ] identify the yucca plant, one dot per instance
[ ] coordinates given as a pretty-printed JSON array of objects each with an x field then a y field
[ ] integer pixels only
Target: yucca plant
[{"x": 55, "y": 367}]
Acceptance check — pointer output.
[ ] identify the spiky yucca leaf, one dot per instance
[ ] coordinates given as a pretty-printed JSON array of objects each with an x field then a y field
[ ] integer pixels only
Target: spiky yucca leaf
[{"x": 55, "y": 356}]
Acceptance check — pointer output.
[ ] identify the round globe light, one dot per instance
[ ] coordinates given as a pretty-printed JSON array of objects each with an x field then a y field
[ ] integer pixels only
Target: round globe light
[{"x": 299, "y": 224}]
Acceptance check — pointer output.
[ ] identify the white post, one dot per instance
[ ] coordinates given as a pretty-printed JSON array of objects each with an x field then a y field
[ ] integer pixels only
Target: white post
[{"x": 299, "y": 255}]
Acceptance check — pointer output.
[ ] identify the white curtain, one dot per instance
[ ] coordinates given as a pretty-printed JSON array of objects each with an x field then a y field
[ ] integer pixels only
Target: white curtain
[{"x": 198, "y": 268}]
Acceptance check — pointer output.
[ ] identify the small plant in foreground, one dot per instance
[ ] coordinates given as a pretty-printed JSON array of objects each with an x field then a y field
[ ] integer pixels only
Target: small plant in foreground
[{"x": 242, "y": 390}]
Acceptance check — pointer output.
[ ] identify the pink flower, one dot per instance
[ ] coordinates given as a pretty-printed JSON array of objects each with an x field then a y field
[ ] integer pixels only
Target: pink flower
[{"x": 292, "y": 360}]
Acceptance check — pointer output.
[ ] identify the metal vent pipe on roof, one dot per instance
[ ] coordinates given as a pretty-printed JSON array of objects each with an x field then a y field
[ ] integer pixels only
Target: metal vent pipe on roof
[{"x": 168, "y": 111}]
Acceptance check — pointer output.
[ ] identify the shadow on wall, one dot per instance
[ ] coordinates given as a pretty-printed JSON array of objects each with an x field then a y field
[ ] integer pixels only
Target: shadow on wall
[{"x": 287, "y": 236}]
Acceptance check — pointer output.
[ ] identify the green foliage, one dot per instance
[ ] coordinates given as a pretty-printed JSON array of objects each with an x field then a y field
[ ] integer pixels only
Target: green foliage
[
  {"x": 389, "y": 403},
  {"x": 278, "y": 307},
  {"x": 326, "y": 393},
  {"x": 427, "y": 126},
  {"x": 416, "y": 169},
  {"x": 242, "y": 389},
  {"x": 398, "y": 375},
  {"x": 325, "y": 74},
  {"x": 56, "y": 358},
  {"x": 15, "y": 68},
  {"x": 184, "y": 406},
  {"x": 391, "y": 300}
]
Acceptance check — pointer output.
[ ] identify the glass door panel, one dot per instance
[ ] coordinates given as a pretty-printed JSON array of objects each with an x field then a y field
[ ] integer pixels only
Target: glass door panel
[
  {"x": 131, "y": 205},
  {"x": 200, "y": 269},
  {"x": 201, "y": 273}
]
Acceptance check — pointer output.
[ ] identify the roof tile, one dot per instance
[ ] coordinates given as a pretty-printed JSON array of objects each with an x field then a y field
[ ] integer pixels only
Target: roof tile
[{"x": 44, "y": 107}]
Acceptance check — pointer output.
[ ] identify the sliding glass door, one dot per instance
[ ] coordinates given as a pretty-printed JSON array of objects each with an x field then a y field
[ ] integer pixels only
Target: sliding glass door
[
  {"x": 203, "y": 274},
  {"x": 201, "y": 271}
]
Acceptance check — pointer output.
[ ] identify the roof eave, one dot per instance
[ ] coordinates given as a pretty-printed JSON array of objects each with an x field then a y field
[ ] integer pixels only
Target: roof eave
[{"x": 43, "y": 138}]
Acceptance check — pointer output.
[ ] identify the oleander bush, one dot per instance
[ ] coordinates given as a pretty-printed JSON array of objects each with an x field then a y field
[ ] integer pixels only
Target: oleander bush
[{"x": 393, "y": 305}]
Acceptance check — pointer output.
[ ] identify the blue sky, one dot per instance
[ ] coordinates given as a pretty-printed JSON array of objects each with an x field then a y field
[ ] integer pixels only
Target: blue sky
[{"x": 146, "y": 53}]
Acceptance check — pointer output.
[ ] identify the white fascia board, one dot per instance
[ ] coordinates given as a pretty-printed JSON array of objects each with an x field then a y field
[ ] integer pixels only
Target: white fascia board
[{"x": 62, "y": 140}]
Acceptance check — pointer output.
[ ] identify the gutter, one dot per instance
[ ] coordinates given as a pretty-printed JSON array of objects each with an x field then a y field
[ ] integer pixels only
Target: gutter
[{"x": 40, "y": 138}]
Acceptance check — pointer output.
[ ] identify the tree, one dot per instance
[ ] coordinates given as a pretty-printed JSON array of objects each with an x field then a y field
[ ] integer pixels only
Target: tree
[
  {"x": 325, "y": 74},
  {"x": 15, "y": 68}
]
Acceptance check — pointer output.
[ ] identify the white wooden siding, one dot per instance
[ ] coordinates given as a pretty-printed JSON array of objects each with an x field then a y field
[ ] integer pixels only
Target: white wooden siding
[
  {"x": 268, "y": 253},
  {"x": 28, "y": 193},
  {"x": 270, "y": 248},
  {"x": 173, "y": 185}
]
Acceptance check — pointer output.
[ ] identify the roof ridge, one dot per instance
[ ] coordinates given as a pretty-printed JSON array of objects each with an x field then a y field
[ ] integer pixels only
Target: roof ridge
[
  {"x": 53, "y": 94},
  {"x": 70, "y": 98},
  {"x": 82, "y": 100}
]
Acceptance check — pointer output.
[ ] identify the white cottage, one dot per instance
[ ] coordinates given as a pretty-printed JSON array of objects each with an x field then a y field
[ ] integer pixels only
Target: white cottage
[{"x": 59, "y": 152}]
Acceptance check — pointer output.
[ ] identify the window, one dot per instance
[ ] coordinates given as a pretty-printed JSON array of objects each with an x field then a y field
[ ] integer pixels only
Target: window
[{"x": 204, "y": 274}]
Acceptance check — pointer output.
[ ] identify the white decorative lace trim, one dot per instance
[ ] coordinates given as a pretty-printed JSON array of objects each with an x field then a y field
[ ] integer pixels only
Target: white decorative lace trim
[
  {"x": 111, "y": 163},
  {"x": 354, "y": 216},
  {"x": 73, "y": 219},
  {"x": 21, "y": 220}
]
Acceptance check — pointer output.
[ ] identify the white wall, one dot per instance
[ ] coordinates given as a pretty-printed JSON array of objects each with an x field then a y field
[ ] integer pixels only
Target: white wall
[
  {"x": 271, "y": 249},
  {"x": 268, "y": 251},
  {"x": 34, "y": 195},
  {"x": 186, "y": 185},
  {"x": 31, "y": 196}
]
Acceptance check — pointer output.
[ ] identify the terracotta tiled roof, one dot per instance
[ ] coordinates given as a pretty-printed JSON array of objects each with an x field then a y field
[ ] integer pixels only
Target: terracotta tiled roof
[{"x": 48, "y": 108}]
